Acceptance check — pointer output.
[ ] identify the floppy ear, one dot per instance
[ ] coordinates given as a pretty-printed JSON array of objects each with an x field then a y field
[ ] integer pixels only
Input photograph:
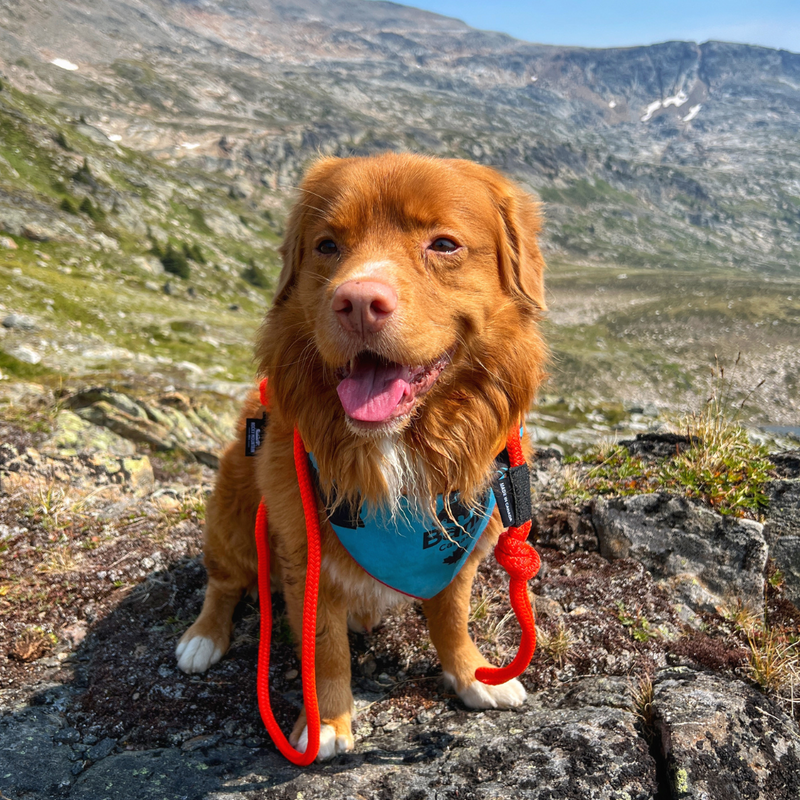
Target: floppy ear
[
  {"x": 521, "y": 263},
  {"x": 291, "y": 251},
  {"x": 308, "y": 201}
]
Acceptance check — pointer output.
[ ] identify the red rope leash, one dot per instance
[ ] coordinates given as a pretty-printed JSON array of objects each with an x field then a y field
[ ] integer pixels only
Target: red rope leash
[
  {"x": 512, "y": 552},
  {"x": 309, "y": 611}
]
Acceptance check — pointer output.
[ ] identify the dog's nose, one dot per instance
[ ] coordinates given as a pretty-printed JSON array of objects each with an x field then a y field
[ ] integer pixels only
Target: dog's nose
[{"x": 364, "y": 306}]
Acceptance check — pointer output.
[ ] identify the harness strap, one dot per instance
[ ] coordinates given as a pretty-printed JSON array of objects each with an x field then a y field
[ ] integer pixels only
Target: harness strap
[{"x": 517, "y": 557}]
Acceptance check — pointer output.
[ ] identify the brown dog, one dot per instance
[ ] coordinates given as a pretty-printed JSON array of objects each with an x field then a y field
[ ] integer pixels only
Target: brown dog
[{"x": 403, "y": 343}]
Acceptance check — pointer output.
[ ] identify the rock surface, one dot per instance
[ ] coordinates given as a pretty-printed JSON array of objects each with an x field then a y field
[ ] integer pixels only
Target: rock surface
[
  {"x": 723, "y": 740},
  {"x": 706, "y": 559},
  {"x": 106, "y": 574}
]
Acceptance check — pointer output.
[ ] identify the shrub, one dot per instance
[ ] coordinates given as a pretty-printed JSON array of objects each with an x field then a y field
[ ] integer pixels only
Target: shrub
[
  {"x": 68, "y": 205},
  {"x": 95, "y": 213},
  {"x": 194, "y": 252},
  {"x": 255, "y": 276},
  {"x": 61, "y": 141},
  {"x": 84, "y": 174},
  {"x": 174, "y": 262}
]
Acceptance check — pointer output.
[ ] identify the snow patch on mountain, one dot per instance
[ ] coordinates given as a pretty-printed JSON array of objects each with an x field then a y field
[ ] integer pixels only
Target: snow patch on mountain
[
  {"x": 64, "y": 64},
  {"x": 693, "y": 112}
]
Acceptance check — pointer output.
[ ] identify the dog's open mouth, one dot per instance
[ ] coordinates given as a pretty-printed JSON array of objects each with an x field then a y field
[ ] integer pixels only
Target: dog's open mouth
[{"x": 375, "y": 390}]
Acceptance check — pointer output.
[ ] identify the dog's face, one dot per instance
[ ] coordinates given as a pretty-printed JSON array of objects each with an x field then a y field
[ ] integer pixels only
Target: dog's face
[{"x": 410, "y": 285}]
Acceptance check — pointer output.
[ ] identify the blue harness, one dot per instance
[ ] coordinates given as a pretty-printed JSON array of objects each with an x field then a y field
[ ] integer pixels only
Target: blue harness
[{"x": 409, "y": 552}]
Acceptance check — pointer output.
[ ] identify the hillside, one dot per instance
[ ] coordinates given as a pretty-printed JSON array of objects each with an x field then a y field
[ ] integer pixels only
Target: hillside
[{"x": 668, "y": 172}]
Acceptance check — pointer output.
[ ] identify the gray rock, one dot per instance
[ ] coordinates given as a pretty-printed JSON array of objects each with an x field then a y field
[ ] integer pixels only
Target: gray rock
[
  {"x": 7, "y": 243},
  {"x": 19, "y": 322},
  {"x": 68, "y": 735},
  {"x": 170, "y": 773},
  {"x": 25, "y": 354},
  {"x": 707, "y": 560},
  {"x": 30, "y": 764},
  {"x": 724, "y": 740},
  {"x": 783, "y": 512},
  {"x": 105, "y": 747},
  {"x": 787, "y": 463},
  {"x": 657, "y": 445},
  {"x": 786, "y": 555}
]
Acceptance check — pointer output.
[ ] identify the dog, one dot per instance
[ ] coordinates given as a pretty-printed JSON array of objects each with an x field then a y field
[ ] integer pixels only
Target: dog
[{"x": 404, "y": 344}]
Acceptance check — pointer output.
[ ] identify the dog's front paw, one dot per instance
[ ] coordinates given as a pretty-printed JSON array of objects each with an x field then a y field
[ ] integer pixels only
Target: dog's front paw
[
  {"x": 197, "y": 653},
  {"x": 330, "y": 744},
  {"x": 482, "y": 695}
]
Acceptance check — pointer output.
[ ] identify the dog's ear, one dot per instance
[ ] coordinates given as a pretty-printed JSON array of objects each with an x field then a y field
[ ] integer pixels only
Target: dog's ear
[
  {"x": 291, "y": 251},
  {"x": 307, "y": 203},
  {"x": 521, "y": 263}
]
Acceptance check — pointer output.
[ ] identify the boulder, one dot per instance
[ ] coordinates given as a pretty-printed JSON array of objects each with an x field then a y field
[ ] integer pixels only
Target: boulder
[
  {"x": 73, "y": 435},
  {"x": 658, "y": 445},
  {"x": 722, "y": 739},
  {"x": 19, "y": 322},
  {"x": 26, "y": 354},
  {"x": 37, "y": 233},
  {"x": 706, "y": 559},
  {"x": 785, "y": 552},
  {"x": 7, "y": 243},
  {"x": 782, "y": 517}
]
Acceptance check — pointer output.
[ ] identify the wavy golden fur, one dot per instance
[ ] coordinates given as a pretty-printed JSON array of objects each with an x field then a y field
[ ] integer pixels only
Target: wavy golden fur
[{"x": 480, "y": 304}]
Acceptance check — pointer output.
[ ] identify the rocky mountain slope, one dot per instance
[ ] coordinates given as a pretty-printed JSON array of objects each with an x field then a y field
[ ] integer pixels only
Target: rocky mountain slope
[{"x": 668, "y": 172}]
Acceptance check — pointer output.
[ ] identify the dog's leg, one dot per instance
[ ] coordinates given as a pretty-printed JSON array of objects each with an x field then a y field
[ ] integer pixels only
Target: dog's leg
[
  {"x": 208, "y": 639},
  {"x": 232, "y": 565},
  {"x": 332, "y": 664},
  {"x": 448, "y": 616}
]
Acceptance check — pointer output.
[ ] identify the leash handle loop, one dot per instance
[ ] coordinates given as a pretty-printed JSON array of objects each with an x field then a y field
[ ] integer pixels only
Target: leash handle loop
[{"x": 521, "y": 562}]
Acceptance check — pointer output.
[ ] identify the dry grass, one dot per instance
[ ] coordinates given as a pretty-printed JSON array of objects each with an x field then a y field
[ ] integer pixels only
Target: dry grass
[
  {"x": 32, "y": 643},
  {"x": 642, "y": 695},
  {"x": 555, "y": 646},
  {"x": 58, "y": 559},
  {"x": 774, "y": 662},
  {"x": 743, "y": 616}
]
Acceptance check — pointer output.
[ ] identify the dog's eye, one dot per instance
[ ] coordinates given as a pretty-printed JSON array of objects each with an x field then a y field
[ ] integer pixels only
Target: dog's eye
[
  {"x": 443, "y": 245},
  {"x": 327, "y": 247}
]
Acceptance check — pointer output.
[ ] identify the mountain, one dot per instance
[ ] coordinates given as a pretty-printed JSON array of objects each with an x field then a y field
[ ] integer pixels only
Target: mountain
[{"x": 666, "y": 170}]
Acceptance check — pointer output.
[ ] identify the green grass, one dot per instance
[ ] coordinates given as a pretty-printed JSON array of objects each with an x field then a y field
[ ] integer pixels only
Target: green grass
[
  {"x": 22, "y": 370},
  {"x": 722, "y": 467}
]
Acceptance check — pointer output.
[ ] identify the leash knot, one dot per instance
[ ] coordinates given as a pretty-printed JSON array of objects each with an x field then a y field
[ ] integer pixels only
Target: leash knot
[{"x": 516, "y": 556}]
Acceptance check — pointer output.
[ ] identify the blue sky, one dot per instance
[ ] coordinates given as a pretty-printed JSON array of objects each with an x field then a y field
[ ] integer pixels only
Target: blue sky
[{"x": 621, "y": 23}]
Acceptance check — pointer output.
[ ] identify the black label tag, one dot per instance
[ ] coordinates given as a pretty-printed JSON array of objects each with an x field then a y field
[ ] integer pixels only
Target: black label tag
[
  {"x": 254, "y": 434},
  {"x": 512, "y": 491},
  {"x": 521, "y": 485}
]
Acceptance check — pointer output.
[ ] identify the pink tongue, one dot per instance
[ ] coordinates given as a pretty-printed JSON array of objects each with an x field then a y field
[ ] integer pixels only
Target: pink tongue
[{"x": 371, "y": 392}]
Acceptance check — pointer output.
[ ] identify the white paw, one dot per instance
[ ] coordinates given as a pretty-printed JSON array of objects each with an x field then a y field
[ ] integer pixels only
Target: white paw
[
  {"x": 482, "y": 695},
  {"x": 329, "y": 744},
  {"x": 197, "y": 654}
]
